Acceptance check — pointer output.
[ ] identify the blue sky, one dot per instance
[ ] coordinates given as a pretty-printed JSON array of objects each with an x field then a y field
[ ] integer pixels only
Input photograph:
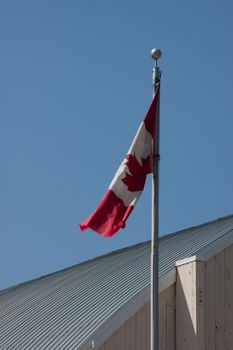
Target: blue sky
[{"x": 75, "y": 84}]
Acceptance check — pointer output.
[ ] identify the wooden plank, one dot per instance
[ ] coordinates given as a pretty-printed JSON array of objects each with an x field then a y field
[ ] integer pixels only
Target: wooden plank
[
  {"x": 147, "y": 324},
  {"x": 229, "y": 298},
  {"x": 140, "y": 329},
  {"x": 210, "y": 320},
  {"x": 131, "y": 333},
  {"x": 220, "y": 307},
  {"x": 200, "y": 305},
  {"x": 110, "y": 343},
  {"x": 120, "y": 338},
  {"x": 162, "y": 321},
  {"x": 102, "y": 347},
  {"x": 186, "y": 307},
  {"x": 171, "y": 317}
]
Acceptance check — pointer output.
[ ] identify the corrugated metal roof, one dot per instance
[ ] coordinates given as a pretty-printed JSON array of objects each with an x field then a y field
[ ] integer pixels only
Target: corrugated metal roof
[{"x": 63, "y": 310}]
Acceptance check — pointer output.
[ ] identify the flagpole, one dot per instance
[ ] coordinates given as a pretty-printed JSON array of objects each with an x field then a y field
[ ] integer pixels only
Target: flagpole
[{"x": 155, "y": 54}]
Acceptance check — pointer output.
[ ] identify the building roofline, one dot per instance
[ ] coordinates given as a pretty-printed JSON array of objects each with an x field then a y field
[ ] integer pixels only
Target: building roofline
[
  {"x": 114, "y": 252},
  {"x": 172, "y": 234}
]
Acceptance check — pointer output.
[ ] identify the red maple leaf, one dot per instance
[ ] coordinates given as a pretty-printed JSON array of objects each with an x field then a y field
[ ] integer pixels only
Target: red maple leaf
[{"x": 135, "y": 181}]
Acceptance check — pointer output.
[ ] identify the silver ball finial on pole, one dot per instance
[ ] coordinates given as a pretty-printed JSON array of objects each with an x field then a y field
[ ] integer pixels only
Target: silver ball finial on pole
[{"x": 156, "y": 54}]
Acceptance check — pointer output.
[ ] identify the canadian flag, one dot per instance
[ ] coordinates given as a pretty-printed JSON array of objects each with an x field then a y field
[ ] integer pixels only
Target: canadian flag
[{"x": 128, "y": 183}]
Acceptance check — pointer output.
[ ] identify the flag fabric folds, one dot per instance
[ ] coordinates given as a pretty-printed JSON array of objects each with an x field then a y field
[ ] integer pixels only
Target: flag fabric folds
[{"x": 128, "y": 183}]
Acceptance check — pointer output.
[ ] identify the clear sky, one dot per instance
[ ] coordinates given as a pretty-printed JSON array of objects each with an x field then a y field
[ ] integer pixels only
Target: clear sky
[{"x": 75, "y": 83}]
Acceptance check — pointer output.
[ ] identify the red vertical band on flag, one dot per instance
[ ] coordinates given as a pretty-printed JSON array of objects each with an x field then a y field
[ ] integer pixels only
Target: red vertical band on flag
[{"x": 128, "y": 183}]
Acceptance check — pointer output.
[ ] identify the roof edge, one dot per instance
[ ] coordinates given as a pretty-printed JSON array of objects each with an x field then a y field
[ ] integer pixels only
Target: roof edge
[
  {"x": 210, "y": 250},
  {"x": 196, "y": 226}
]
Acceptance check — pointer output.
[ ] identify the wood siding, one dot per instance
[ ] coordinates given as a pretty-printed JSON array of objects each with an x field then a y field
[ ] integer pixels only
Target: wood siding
[
  {"x": 204, "y": 303},
  {"x": 134, "y": 334},
  {"x": 219, "y": 301},
  {"x": 190, "y": 306}
]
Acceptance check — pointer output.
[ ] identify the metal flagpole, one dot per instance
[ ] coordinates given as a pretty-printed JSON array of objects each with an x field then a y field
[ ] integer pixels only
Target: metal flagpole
[{"x": 155, "y": 54}]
